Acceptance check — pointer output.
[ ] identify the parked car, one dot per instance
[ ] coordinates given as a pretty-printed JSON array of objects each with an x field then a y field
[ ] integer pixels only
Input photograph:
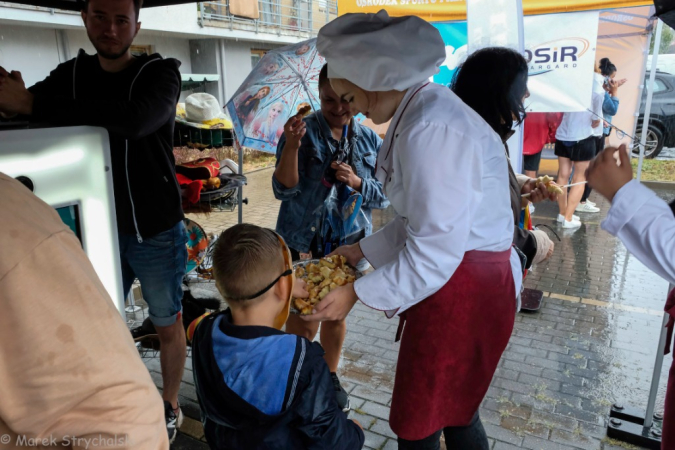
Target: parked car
[{"x": 661, "y": 130}]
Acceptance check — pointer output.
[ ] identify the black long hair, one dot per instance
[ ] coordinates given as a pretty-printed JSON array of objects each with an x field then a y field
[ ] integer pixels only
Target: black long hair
[
  {"x": 606, "y": 67},
  {"x": 493, "y": 82}
]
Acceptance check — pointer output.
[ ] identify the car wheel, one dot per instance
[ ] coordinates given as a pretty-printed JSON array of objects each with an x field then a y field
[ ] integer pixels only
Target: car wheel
[{"x": 654, "y": 143}]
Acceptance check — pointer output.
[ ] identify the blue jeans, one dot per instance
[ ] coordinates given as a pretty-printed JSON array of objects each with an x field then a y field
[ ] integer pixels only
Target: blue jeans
[{"x": 159, "y": 263}]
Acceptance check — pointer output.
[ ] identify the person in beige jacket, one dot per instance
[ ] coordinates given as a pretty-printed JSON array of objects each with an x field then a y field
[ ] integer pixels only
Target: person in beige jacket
[{"x": 70, "y": 375}]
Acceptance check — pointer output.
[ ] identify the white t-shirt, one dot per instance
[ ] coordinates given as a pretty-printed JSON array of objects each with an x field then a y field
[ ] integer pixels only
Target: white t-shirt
[{"x": 577, "y": 126}]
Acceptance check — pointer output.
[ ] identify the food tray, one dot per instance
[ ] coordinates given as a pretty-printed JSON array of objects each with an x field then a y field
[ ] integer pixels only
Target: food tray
[{"x": 357, "y": 273}]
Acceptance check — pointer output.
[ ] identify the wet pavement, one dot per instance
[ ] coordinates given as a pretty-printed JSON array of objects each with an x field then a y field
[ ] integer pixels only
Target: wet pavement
[
  {"x": 667, "y": 154},
  {"x": 592, "y": 343}
]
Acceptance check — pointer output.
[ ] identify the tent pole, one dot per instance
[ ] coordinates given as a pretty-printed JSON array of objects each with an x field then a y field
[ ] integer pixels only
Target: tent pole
[
  {"x": 650, "y": 92},
  {"x": 240, "y": 193}
]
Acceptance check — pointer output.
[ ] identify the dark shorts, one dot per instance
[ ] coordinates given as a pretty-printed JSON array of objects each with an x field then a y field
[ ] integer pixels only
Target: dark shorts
[
  {"x": 599, "y": 144},
  {"x": 531, "y": 162},
  {"x": 159, "y": 263},
  {"x": 583, "y": 150}
]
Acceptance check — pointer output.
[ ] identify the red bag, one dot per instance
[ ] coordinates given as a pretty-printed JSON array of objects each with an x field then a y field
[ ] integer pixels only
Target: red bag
[{"x": 201, "y": 169}]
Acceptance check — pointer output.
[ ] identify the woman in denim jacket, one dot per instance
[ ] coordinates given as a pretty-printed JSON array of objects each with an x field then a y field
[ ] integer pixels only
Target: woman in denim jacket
[{"x": 305, "y": 159}]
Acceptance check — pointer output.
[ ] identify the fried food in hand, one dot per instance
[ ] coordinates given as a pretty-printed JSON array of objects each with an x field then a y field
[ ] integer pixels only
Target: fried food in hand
[
  {"x": 322, "y": 277},
  {"x": 550, "y": 186},
  {"x": 305, "y": 111}
]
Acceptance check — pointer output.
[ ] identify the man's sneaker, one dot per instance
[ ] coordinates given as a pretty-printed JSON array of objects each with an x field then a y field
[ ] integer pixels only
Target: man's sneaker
[
  {"x": 587, "y": 208},
  {"x": 174, "y": 419},
  {"x": 561, "y": 218},
  {"x": 340, "y": 394},
  {"x": 573, "y": 224}
]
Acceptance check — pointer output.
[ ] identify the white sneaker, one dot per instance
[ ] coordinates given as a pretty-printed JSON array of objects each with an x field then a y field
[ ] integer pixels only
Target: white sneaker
[
  {"x": 561, "y": 218},
  {"x": 572, "y": 224},
  {"x": 587, "y": 208},
  {"x": 588, "y": 202}
]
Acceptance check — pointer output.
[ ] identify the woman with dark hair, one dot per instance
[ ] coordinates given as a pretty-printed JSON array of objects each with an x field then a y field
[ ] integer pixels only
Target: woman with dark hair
[
  {"x": 493, "y": 82},
  {"x": 444, "y": 263},
  {"x": 610, "y": 106}
]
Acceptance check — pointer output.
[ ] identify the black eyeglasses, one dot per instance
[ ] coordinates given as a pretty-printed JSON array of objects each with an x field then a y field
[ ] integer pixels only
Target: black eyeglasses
[
  {"x": 262, "y": 291},
  {"x": 288, "y": 263}
]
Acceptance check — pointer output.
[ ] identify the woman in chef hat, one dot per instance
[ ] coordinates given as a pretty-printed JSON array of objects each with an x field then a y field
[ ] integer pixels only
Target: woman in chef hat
[{"x": 445, "y": 263}]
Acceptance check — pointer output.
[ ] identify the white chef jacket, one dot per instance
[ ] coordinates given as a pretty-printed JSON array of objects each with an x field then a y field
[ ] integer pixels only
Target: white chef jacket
[
  {"x": 646, "y": 226},
  {"x": 445, "y": 172}
]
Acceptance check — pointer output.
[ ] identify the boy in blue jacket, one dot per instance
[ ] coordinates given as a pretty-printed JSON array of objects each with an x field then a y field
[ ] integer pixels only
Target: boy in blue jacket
[{"x": 258, "y": 387}]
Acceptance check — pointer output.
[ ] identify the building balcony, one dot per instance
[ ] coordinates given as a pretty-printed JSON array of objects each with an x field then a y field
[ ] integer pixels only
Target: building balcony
[{"x": 298, "y": 18}]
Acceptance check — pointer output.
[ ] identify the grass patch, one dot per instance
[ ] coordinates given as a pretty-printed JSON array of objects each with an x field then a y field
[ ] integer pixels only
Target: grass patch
[
  {"x": 653, "y": 170},
  {"x": 616, "y": 443},
  {"x": 359, "y": 411},
  {"x": 253, "y": 159}
]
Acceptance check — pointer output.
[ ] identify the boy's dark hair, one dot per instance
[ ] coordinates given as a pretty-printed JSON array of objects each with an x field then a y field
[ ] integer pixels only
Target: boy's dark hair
[
  {"x": 138, "y": 4},
  {"x": 323, "y": 76},
  {"x": 246, "y": 259},
  {"x": 493, "y": 82}
]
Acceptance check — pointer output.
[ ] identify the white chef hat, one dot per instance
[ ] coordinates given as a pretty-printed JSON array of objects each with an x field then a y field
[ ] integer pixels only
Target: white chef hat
[{"x": 381, "y": 53}]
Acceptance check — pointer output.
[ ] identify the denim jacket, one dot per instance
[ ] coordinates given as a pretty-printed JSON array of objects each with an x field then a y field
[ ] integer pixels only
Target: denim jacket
[
  {"x": 610, "y": 106},
  {"x": 301, "y": 206}
]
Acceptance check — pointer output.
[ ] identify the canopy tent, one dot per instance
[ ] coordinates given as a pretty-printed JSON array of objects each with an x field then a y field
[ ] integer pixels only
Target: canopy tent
[{"x": 452, "y": 10}]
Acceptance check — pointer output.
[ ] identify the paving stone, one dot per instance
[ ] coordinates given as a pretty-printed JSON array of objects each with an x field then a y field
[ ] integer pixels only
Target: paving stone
[
  {"x": 376, "y": 410},
  {"x": 381, "y": 427},
  {"x": 371, "y": 394}
]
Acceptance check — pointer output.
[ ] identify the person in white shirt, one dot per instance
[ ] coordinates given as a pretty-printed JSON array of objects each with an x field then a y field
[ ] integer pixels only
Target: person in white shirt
[
  {"x": 444, "y": 263},
  {"x": 644, "y": 223},
  {"x": 576, "y": 145},
  {"x": 646, "y": 226}
]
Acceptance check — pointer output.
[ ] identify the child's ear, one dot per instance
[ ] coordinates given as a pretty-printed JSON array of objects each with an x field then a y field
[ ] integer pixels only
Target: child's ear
[{"x": 283, "y": 288}]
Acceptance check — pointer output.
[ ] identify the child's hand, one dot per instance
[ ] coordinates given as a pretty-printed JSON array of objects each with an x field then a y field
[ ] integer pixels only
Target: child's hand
[
  {"x": 605, "y": 176},
  {"x": 300, "y": 289},
  {"x": 357, "y": 422}
]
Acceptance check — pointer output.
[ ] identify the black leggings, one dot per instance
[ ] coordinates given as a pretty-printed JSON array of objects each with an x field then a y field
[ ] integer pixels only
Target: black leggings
[
  {"x": 599, "y": 147},
  {"x": 470, "y": 437}
]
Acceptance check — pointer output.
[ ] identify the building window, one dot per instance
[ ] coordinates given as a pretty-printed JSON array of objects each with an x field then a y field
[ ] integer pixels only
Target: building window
[
  {"x": 140, "y": 50},
  {"x": 256, "y": 56}
]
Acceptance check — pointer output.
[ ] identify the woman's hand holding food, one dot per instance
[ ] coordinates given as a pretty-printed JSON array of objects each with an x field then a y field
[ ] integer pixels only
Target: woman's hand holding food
[
  {"x": 352, "y": 252},
  {"x": 294, "y": 130},
  {"x": 540, "y": 190},
  {"x": 334, "y": 306}
]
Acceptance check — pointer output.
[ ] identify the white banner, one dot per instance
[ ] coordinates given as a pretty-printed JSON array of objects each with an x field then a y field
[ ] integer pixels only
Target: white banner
[
  {"x": 560, "y": 49},
  {"x": 502, "y": 26}
]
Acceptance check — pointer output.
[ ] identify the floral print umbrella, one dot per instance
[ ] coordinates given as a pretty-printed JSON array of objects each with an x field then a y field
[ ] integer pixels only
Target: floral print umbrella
[{"x": 284, "y": 81}]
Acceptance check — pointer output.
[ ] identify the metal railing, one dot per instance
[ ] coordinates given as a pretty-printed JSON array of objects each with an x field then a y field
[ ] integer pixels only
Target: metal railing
[{"x": 301, "y": 18}]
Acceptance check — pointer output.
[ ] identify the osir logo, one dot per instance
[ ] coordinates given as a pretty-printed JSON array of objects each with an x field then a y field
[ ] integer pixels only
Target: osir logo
[{"x": 559, "y": 54}]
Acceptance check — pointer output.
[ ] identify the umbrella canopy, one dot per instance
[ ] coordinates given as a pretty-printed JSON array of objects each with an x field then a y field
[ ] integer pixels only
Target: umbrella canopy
[
  {"x": 665, "y": 10},
  {"x": 283, "y": 81}
]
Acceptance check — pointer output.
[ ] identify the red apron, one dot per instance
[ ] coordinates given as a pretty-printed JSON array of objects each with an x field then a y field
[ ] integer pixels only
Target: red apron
[
  {"x": 668, "y": 436},
  {"x": 451, "y": 345}
]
